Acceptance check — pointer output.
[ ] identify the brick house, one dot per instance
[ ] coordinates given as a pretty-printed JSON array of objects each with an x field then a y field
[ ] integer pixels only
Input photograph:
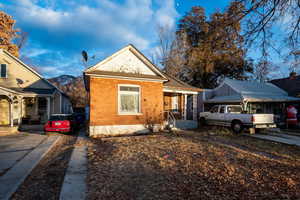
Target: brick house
[{"x": 129, "y": 94}]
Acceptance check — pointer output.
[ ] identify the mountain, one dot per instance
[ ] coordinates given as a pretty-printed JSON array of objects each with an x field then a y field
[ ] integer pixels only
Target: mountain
[
  {"x": 63, "y": 79},
  {"x": 73, "y": 87}
]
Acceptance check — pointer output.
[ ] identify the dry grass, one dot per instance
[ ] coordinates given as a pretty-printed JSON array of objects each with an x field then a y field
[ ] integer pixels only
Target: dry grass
[{"x": 192, "y": 165}]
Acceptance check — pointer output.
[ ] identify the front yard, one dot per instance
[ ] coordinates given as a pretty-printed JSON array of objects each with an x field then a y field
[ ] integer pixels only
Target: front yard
[{"x": 192, "y": 165}]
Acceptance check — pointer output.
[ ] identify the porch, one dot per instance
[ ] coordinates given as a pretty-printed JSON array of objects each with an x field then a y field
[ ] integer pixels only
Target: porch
[
  {"x": 180, "y": 109},
  {"x": 18, "y": 109}
]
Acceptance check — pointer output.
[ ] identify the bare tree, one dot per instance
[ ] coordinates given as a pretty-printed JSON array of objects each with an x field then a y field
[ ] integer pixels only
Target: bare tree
[
  {"x": 21, "y": 39},
  {"x": 263, "y": 18},
  {"x": 264, "y": 69}
]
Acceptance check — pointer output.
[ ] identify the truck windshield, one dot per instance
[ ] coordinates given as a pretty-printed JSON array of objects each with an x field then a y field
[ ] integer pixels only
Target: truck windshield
[{"x": 234, "y": 109}]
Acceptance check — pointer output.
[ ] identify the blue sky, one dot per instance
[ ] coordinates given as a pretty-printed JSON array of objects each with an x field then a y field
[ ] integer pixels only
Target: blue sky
[{"x": 58, "y": 30}]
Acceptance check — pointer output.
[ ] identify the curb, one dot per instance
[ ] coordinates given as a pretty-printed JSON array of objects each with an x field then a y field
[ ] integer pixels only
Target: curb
[{"x": 21, "y": 170}]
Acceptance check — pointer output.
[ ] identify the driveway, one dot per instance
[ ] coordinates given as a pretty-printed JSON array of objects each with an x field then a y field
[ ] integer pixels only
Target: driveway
[
  {"x": 280, "y": 137},
  {"x": 14, "y": 147},
  {"x": 19, "y": 154}
]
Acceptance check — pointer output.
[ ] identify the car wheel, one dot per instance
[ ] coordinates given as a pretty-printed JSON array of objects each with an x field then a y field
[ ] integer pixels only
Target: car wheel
[
  {"x": 202, "y": 122},
  {"x": 237, "y": 127}
]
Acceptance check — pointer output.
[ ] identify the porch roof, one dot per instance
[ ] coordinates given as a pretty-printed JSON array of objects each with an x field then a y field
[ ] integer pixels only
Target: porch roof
[
  {"x": 29, "y": 91},
  {"x": 176, "y": 84}
]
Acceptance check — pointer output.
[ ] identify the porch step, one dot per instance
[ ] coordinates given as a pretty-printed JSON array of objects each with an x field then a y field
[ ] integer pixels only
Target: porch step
[
  {"x": 186, "y": 124},
  {"x": 7, "y": 130},
  {"x": 32, "y": 127}
]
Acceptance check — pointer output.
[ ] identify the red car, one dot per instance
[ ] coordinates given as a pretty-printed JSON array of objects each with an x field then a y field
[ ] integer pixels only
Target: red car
[{"x": 63, "y": 123}]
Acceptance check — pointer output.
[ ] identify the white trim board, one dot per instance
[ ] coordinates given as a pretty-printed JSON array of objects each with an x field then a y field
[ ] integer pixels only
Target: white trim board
[
  {"x": 180, "y": 91},
  {"x": 117, "y": 129},
  {"x": 125, "y": 78}
]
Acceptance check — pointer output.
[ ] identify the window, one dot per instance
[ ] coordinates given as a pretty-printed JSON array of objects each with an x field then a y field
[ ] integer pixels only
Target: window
[
  {"x": 3, "y": 71},
  {"x": 129, "y": 99},
  {"x": 175, "y": 106},
  {"x": 214, "y": 109},
  {"x": 234, "y": 109},
  {"x": 222, "y": 109}
]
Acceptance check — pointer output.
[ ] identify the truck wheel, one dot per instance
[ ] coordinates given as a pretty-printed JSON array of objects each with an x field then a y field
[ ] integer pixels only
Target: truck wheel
[
  {"x": 202, "y": 122},
  {"x": 236, "y": 126}
]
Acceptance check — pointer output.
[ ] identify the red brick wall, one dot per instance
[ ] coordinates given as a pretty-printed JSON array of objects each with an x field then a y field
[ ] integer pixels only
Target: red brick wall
[{"x": 104, "y": 102}]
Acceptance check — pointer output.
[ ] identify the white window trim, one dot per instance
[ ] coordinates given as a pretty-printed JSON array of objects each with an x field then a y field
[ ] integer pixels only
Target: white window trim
[
  {"x": 1, "y": 69},
  {"x": 119, "y": 100}
]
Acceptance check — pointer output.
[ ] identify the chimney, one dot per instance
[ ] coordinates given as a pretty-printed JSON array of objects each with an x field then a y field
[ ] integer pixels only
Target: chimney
[{"x": 293, "y": 75}]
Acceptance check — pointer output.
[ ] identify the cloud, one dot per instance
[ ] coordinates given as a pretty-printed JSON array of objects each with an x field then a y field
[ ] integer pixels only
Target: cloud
[
  {"x": 167, "y": 14},
  {"x": 66, "y": 27}
]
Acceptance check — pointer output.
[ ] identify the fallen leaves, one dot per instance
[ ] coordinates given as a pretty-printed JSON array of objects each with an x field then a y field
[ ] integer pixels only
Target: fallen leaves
[{"x": 188, "y": 166}]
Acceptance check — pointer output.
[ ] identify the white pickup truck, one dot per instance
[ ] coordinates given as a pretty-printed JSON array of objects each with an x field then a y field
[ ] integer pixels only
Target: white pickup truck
[{"x": 232, "y": 116}]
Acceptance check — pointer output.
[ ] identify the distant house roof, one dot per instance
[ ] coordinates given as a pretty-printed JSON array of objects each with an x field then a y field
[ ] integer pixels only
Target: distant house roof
[
  {"x": 30, "y": 69},
  {"x": 252, "y": 91},
  {"x": 290, "y": 85}
]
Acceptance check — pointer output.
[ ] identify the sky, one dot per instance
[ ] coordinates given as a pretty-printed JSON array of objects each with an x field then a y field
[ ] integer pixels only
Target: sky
[{"x": 58, "y": 30}]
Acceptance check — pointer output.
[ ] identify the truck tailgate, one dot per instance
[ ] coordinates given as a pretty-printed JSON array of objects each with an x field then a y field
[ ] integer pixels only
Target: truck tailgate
[{"x": 263, "y": 118}]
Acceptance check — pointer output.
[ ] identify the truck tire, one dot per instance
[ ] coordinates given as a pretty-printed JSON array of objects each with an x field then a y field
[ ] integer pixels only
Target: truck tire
[
  {"x": 237, "y": 126},
  {"x": 202, "y": 122}
]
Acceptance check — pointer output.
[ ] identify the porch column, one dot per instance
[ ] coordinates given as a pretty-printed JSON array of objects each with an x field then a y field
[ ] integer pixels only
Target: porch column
[
  {"x": 36, "y": 100},
  {"x": 185, "y": 108},
  {"x": 11, "y": 113},
  {"x": 195, "y": 110},
  {"x": 48, "y": 107},
  {"x": 20, "y": 110}
]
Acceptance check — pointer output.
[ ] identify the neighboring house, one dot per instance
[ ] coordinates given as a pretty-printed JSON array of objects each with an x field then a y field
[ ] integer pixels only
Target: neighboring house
[
  {"x": 255, "y": 97},
  {"x": 291, "y": 84},
  {"x": 128, "y": 94},
  {"x": 25, "y": 96}
]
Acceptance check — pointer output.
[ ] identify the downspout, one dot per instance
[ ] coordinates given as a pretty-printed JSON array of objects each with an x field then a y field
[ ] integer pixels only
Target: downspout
[{"x": 60, "y": 103}]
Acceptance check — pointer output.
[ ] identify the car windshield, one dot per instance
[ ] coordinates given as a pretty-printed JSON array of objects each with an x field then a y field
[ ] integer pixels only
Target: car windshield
[
  {"x": 234, "y": 109},
  {"x": 59, "y": 117}
]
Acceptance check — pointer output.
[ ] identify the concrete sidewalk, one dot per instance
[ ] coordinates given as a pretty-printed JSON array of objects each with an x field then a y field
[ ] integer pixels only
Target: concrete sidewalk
[
  {"x": 35, "y": 148},
  {"x": 279, "y": 137},
  {"x": 74, "y": 186}
]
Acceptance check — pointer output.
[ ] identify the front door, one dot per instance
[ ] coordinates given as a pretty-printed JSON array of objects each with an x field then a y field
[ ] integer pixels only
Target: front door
[
  {"x": 4, "y": 111},
  {"x": 189, "y": 105}
]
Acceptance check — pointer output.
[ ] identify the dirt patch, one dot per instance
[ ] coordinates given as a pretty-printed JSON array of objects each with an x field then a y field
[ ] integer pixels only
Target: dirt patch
[
  {"x": 46, "y": 179},
  {"x": 189, "y": 165}
]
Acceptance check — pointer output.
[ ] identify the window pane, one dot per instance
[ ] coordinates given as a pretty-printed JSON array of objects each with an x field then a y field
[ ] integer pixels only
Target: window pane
[
  {"x": 3, "y": 70},
  {"x": 222, "y": 110},
  {"x": 128, "y": 88},
  {"x": 234, "y": 109},
  {"x": 129, "y": 103}
]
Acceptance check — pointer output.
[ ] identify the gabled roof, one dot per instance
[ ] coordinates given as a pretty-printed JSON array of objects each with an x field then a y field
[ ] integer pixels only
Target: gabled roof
[
  {"x": 290, "y": 85},
  {"x": 255, "y": 87},
  {"x": 29, "y": 68},
  {"x": 137, "y": 53},
  {"x": 169, "y": 81}
]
